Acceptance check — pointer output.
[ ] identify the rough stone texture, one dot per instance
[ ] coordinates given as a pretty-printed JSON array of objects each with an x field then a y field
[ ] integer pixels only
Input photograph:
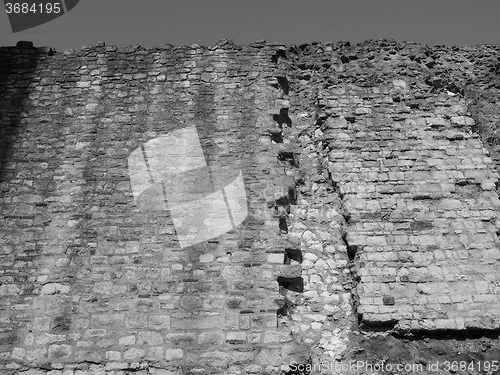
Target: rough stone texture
[
  {"x": 372, "y": 204},
  {"x": 417, "y": 187},
  {"x": 419, "y": 190}
]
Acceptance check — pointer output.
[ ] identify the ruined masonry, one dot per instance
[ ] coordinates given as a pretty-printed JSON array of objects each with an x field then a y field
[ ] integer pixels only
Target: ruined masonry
[
  {"x": 370, "y": 178},
  {"x": 419, "y": 190}
]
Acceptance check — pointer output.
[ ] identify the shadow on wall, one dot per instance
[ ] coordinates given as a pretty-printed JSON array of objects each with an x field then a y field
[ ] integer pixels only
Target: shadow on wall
[{"x": 17, "y": 70}]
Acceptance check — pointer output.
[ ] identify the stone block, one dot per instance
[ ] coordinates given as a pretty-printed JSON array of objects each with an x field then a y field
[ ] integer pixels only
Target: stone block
[
  {"x": 159, "y": 322},
  {"x": 231, "y": 321},
  {"x": 113, "y": 356},
  {"x": 55, "y": 288},
  {"x": 287, "y": 271},
  {"x": 18, "y": 353},
  {"x": 156, "y": 353},
  {"x": 174, "y": 354},
  {"x": 211, "y": 338},
  {"x": 63, "y": 351},
  {"x": 36, "y": 354},
  {"x": 47, "y": 338},
  {"x": 207, "y": 258},
  {"x": 126, "y": 340},
  {"x": 236, "y": 337},
  {"x": 149, "y": 338},
  {"x": 133, "y": 353},
  {"x": 277, "y": 258},
  {"x": 461, "y": 121},
  {"x": 262, "y": 321}
]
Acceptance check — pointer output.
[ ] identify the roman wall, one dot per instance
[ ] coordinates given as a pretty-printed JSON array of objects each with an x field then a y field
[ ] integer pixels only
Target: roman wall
[{"x": 235, "y": 209}]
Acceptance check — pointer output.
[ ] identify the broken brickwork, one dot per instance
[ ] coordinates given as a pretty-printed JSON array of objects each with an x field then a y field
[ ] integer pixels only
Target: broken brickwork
[{"x": 371, "y": 198}]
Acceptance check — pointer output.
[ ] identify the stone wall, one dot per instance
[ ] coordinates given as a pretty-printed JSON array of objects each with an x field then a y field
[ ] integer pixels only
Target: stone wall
[{"x": 371, "y": 200}]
